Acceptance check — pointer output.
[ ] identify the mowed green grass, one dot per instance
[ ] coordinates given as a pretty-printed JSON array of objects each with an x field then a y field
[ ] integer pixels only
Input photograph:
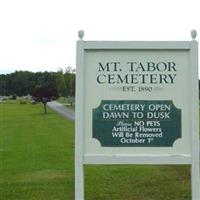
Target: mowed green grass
[
  {"x": 36, "y": 154},
  {"x": 37, "y": 163}
]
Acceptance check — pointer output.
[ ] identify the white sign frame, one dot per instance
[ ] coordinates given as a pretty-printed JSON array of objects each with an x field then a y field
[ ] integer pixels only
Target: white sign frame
[{"x": 81, "y": 159}]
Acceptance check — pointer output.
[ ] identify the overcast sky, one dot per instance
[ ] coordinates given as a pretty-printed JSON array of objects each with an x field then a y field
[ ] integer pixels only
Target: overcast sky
[{"x": 39, "y": 35}]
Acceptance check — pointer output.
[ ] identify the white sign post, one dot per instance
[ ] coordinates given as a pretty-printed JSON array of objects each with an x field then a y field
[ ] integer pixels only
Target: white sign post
[{"x": 137, "y": 103}]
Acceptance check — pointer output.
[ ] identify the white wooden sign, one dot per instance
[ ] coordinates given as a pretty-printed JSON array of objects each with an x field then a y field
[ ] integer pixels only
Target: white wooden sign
[{"x": 136, "y": 103}]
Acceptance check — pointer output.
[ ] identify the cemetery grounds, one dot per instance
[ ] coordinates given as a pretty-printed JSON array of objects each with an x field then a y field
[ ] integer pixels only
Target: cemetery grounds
[{"x": 37, "y": 163}]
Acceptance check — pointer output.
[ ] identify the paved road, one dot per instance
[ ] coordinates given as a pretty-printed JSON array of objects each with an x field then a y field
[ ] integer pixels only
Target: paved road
[{"x": 61, "y": 109}]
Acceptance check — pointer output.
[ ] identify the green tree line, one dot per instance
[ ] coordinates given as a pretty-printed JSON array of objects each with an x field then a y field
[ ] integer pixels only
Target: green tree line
[{"x": 21, "y": 83}]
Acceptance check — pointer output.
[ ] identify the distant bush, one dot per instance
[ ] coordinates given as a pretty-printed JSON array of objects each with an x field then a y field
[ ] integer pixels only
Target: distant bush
[
  {"x": 23, "y": 100},
  {"x": 13, "y": 97}
]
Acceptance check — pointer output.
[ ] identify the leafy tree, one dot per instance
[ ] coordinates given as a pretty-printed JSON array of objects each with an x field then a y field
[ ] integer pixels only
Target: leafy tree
[
  {"x": 70, "y": 82},
  {"x": 22, "y": 83},
  {"x": 61, "y": 84},
  {"x": 2, "y": 84},
  {"x": 19, "y": 83},
  {"x": 44, "y": 95}
]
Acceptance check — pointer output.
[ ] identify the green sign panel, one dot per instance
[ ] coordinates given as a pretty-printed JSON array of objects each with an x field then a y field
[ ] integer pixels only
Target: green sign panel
[{"x": 136, "y": 123}]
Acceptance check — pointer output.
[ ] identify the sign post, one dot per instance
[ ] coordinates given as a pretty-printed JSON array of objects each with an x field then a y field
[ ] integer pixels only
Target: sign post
[{"x": 137, "y": 103}]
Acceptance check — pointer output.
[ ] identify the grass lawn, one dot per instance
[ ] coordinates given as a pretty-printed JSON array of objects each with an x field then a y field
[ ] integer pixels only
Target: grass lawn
[
  {"x": 37, "y": 163},
  {"x": 36, "y": 154}
]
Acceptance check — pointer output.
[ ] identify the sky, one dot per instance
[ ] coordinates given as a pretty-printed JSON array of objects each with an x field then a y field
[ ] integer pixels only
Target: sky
[{"x": 41, "y": 35}]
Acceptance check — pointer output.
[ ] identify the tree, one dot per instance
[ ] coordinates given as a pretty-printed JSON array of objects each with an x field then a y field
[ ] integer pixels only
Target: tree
[
  {"x": 44, "y": 94},
  {"x": 61, "y": 84},
  {"x": 70, "y": 83},
  {"x": 22, "y": 83}
]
